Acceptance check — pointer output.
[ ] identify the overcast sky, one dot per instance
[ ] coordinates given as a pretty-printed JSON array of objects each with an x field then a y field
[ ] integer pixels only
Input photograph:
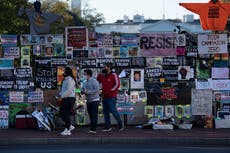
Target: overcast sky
[{"x": 154, "y": 9}]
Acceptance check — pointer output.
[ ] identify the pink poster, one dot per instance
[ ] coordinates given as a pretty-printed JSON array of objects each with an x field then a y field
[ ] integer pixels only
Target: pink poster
[{"x": 158, "y": 44}]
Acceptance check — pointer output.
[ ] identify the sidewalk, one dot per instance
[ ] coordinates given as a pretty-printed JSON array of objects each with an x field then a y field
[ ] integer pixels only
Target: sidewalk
[{"x": 131, "y": 135}]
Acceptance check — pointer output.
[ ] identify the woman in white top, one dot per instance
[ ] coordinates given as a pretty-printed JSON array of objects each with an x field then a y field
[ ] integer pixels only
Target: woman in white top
[{"x": 68, "y": 99}]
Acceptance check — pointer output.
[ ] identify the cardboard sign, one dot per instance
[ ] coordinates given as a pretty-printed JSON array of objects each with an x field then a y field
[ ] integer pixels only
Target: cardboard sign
[
  {"x": 212, "y": 44},
  {"x": 46, "y": 78}
]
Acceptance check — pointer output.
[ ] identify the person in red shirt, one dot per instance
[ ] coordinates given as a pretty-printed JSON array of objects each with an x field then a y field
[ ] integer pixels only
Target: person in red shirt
[
  {"x": 110, "y": 84},
  {"x": 213, "y": 15}
]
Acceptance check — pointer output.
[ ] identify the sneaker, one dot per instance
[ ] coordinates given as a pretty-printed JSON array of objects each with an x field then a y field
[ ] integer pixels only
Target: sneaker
[
  {"x": 66, "y": 132},
  {"x": 121, "y": 129},
  {"x": 71, "y": 128},
  {"x": 106, "y": 130},
  {"x": 91, "y": 131}
]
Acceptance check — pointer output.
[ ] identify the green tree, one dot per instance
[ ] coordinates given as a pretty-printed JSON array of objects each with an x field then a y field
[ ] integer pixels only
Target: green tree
[
  {"x": 86, "y": 17},
  {"x": 61, "y": 9},
  {"x": 10, "y": 22},
  {"x": 91, "y": 17},
  {"x": 225, "y": 1}
]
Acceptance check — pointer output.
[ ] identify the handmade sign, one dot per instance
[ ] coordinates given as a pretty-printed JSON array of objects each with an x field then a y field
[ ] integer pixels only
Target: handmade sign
[
  {"x": 16, "y": 96},
  {"x": 46, "y": 78},
  {"x": 157, "y": 44},
  {"x": 212, "y": 43},
  {"x": 201, "y": 102}
]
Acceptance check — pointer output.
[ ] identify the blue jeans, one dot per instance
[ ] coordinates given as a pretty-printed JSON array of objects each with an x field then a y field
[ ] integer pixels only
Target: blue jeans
[
  {"x": 109, "y": 106},
  {"x": 92, "y": 108}
]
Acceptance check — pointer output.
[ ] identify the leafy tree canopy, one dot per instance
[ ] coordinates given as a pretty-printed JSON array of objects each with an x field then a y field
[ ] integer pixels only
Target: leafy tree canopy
[{"x": 11, "y": 23}]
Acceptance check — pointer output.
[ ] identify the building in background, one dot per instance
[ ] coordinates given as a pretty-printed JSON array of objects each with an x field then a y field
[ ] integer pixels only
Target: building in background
[
  {"x": 138, "y": 18},
  {"x": 141, "y": 25},
  {"x": 73, "y": 4}
]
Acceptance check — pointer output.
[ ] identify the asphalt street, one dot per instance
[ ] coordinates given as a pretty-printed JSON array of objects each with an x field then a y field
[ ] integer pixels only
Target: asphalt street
[{"x": 112, "y": 148}]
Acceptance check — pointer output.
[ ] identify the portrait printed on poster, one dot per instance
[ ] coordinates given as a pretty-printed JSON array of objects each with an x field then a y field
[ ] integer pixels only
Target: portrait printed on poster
[
  {"x": 159, "y": 111},
  {"x": 169, "y": 110},
  {"x": 137, "y": 78}
]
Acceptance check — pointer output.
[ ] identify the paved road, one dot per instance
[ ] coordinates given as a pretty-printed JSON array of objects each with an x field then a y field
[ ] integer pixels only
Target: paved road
[{"x": 111, "y": 148}]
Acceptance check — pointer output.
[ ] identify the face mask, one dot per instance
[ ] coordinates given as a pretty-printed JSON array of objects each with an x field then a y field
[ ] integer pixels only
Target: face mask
[
  {"x": 104, "y": 71},
  {"x": 64, "y": 75}
]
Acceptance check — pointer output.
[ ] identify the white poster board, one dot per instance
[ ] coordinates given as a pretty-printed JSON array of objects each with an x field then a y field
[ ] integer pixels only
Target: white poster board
[
  {"x": 221, "y": 84},
  {"x": 201, "y": 102},
  {"x": 212, "y": 44},
  {"x": 220, "y": 72},
  {"x": 203, "y": 83},
  {"x": 137, "y": 79},
  {"x": 16, "y": 96}
]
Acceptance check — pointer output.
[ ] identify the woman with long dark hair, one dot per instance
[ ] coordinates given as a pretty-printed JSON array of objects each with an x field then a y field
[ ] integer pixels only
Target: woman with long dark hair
[{"x": 68, "y": 99}]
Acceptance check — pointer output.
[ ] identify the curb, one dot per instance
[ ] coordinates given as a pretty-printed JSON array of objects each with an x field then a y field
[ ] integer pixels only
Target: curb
[{"x": 115, "y": 140}]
